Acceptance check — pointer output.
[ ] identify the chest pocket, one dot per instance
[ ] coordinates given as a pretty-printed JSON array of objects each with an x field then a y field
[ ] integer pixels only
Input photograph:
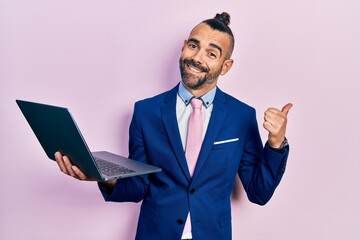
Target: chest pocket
[{"x": 234, "y": 142}]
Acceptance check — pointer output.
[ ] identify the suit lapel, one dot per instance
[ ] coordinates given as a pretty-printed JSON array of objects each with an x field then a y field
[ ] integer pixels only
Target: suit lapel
[
  {"x": 216, "y": 122},
  {"x": 170, "y": 122}
]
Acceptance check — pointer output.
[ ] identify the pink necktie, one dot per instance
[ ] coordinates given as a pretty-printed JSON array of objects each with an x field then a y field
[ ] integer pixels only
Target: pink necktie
[
  {"x": 193, "y": 143},
  {"x": 194, "y": 135}
]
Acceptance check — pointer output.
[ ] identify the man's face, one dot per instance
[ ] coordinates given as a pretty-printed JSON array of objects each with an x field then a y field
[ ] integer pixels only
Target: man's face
[{"x": 204, "y": 57}]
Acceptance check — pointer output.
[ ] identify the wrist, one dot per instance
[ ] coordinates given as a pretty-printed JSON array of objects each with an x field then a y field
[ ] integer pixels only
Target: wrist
[
  {"x": 280, "y": 146},
  {"x": 110, "y": 183}
]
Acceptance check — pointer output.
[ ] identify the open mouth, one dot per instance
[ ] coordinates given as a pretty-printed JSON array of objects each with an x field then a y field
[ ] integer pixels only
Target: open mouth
[{"x": 195, "y": 69}]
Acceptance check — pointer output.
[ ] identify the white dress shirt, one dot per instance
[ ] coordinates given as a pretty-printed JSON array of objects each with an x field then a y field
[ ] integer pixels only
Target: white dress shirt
[{"x": 183, "y": 111}]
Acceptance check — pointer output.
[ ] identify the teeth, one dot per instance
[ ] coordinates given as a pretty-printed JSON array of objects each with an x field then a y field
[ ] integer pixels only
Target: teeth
[{"x": 194, "y": 69}]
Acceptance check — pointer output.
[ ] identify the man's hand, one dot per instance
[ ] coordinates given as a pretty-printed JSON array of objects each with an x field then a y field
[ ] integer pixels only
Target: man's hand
[
  {"x": 275, "y": 123},
  {"x": 66, "y": 167}
]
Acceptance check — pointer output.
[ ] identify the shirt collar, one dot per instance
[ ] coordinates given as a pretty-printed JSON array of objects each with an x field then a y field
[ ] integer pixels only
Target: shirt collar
[{"x": 186, "y": 96}]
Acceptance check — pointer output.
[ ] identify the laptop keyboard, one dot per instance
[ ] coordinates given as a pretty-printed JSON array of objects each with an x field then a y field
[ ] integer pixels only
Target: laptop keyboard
[{"x": 111, "y": 169}]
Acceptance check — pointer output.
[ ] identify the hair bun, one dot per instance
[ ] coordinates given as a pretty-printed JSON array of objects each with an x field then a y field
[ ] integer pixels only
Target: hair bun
[{"x": 223, "y": 17}]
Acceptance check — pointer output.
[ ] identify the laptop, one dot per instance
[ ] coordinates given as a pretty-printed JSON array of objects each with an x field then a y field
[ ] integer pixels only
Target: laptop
[{"x": 57, "y": 130}]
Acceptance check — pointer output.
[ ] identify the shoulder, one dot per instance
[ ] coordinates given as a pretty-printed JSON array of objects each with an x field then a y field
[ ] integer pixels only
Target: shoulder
[
  {"x": 157, "y": 100},
  {"x": 233, "y": 103}
]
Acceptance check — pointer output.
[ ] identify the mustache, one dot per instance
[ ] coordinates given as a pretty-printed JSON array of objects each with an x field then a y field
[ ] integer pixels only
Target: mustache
[{"x": 191, "y": 62}]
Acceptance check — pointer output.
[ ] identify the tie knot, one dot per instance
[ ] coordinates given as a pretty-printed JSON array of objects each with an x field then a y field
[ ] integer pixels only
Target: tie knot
[{"x": 196, "y": 103}]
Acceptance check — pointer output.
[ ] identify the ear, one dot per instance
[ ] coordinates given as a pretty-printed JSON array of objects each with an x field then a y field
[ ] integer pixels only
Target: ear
[
  {"x": 226, "y": 66},
  {"x": 185, "y": 43}
]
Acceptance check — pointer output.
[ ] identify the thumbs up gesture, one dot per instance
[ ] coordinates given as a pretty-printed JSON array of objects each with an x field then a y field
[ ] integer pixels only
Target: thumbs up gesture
[{"x": 275, "y": 123}]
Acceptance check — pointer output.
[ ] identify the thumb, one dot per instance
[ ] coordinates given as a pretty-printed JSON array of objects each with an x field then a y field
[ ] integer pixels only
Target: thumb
[{"x": 286, "y": 108}]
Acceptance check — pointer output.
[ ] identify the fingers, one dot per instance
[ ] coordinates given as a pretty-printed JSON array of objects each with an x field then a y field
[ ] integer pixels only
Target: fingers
[
  {"x": 66, "y": 167},
  {"x": 275, "y": 122},
  {"x": 269, "y": 126},
  {"x": 60, "y": 162},
  {"x": 274, "y": 118},
  {"x": 79, "y": 174},
  {"x": 286, "y": 108}
]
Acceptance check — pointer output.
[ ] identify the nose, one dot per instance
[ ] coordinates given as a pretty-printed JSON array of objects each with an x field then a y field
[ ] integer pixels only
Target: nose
[{"x": 198, "y": 57}]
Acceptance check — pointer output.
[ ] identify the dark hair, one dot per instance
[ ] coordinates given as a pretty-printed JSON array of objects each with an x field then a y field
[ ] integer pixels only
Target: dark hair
[{"x": 221, "y": 23}]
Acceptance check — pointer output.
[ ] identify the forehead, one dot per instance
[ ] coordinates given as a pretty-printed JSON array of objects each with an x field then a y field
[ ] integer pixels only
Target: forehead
[{"x": 208, "y": 36}]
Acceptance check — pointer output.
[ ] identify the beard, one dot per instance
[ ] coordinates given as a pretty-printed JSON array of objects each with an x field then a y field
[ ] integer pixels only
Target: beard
[{"x": 194, "y": 81}]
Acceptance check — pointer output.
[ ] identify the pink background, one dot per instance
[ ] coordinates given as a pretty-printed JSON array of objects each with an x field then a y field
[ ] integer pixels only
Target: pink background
[{"x": 99, "y": 57}]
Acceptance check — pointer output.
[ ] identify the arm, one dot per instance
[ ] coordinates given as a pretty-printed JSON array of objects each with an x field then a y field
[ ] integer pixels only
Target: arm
[
  {"x": 262, "y": 168},
  {"x": 127, "y": 189},
  {"x": 131, "y": 189}
]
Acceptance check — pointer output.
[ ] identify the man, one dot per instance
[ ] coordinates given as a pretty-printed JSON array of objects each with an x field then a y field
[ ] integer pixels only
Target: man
[{"x": 190, "y": 198}]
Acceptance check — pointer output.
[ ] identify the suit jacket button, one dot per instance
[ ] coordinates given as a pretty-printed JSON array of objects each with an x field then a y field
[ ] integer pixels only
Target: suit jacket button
[
  {"x": 192, "y": 191},
  {"x": 180, "y": 222}
]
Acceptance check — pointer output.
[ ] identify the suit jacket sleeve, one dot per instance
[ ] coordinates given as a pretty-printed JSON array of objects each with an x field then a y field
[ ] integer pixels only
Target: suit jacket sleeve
[
  {"x": 131, "y": 189},
  {"x": 261, "y": 168}
]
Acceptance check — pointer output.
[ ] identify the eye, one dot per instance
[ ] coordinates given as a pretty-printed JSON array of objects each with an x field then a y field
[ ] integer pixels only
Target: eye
[
  {"x": 212, "y": 55},
  {"x": 192, "y": 45}
]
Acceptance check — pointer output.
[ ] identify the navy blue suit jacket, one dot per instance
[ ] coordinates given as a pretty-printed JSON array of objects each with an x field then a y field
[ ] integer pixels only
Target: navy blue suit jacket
[{"x": 168, "y": 196}]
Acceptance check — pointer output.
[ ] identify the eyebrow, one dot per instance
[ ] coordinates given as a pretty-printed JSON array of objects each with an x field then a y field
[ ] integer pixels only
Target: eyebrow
[{"x": 211, "y": 44}]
